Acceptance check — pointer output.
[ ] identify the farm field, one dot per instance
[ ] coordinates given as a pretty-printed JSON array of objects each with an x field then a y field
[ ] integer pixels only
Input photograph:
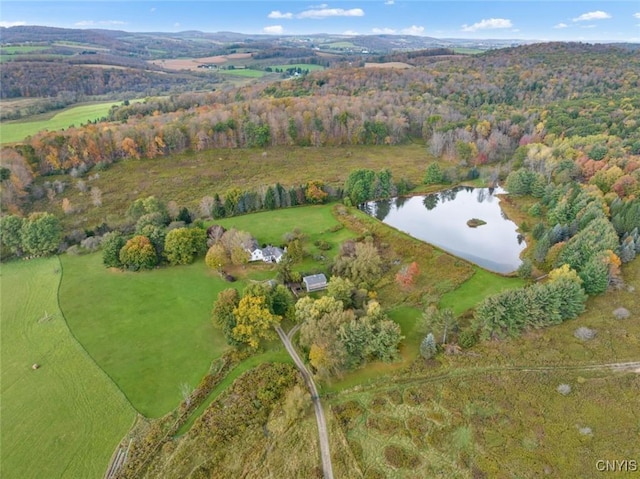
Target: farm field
[
  {"x": 302, "y": 66},
  {"x": 243, "y": 72},
  {"x": 14, "y": 131},
  {"x": 65, "y": 418},
  {"x": 150, "y": 331}
]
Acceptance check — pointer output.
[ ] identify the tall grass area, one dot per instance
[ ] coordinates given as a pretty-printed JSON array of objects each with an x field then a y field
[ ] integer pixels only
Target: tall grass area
[
  {"x": 187, "y": 178},
  {"x": 65, "y": 418},
  {"x": 150, "y": 331},
  {"x": 498, "y": 425},
  {"x": 14, "y": 131}
]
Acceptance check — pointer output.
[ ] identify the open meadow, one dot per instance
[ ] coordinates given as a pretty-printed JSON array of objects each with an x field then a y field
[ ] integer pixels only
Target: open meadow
[
  {"x": 14, "y": 131},
  {"x": 150, "y": 331},
  {"x": 189, "y": 177},
  {"x": 65, "y": 418}
]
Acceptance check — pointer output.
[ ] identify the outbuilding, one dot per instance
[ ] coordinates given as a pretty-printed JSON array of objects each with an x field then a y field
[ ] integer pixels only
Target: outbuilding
[{"x": 315, "y": 282}]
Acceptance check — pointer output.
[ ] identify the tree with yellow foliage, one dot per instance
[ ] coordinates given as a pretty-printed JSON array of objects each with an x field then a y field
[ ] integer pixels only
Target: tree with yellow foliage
[{"x": 254, "y": 321}]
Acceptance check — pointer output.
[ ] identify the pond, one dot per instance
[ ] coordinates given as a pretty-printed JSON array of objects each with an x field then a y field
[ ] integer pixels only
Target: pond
[{"x": 441, "y": 219}]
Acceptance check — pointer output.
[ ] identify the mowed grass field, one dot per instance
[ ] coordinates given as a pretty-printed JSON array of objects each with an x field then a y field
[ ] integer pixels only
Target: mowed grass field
[
  {"x": 243, "y": 72},
  {"x": 150, "y": 331},
  {"x": 302, "y": 66},
  {"x": 14, "y": 131},
  {"x": 64, "y": 419},
  {"x": 483, "y": 283}
]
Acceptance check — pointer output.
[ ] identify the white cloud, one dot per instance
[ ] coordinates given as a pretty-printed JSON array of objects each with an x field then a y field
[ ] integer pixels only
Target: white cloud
[
  {"x": 561, "y": 25},
  {"x": 636, "y": 15},
  {"x": 273, "y": 29},
  {"x": 596, "y": 15},
  {"x": 383, "y": 31},
  {"x": 321, "y": 13},
  {"x": 389, "y": 2},
  {"x": 413, "y": 30},
  {"x": 92, "y": 23},
  {"x": 588, "y": 26},
  {"x": 322, "y": 5},
  {"x": 279, "y": 14},
  {"x": 12, "y": 24},
  {"x": 488, "y": 24},
  {"x": 152, "y": 9},
  {"x": 350, "y": 32},
  {"x": 177, "y": 25}
]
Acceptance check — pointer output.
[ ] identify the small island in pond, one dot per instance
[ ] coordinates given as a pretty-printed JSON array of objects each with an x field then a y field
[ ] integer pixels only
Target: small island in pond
[{"x": 475, "y": 222}]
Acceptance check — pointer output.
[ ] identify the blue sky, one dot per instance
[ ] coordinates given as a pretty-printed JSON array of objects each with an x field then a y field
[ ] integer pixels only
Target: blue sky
[{"x": 589, "y": 20}]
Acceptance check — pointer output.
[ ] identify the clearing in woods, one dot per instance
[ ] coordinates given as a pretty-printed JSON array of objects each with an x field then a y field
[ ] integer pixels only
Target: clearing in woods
[{"x": 15, "y": 131}]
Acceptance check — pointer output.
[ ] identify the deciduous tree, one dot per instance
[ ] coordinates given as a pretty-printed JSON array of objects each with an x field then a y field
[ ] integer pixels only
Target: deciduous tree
[
  {"x": 254, "y": 321},
  {"x": 138, "y": 253},
  {"x": 40, "y": 234},
  {"x": 183, "y": 245}
]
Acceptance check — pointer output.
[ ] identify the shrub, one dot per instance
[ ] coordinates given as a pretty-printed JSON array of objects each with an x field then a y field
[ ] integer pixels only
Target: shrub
[
  {"x": 525, "y": 269},
  {"x": 468, "y": 338},
  {"x": 621, "y": 313},
  {"x": 112, "y": 243},
  {"x": 585, "y": 334},
  {"x": 399, "y": 457}
]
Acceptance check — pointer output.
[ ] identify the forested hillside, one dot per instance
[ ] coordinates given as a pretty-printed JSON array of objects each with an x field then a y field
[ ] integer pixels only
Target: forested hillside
[{"x": 557, "y": 112}]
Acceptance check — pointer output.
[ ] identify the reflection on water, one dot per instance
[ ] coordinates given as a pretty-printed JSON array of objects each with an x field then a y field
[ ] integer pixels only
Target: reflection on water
[{"x": 441, "y": 219}]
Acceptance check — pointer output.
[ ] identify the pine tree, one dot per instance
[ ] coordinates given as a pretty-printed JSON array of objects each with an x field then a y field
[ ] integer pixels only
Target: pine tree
[{"x": 428, "y": 346}]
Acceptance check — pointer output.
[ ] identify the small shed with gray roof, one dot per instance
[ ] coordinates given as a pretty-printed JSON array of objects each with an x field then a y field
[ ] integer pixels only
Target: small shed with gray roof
[{"x": 315, "y": 282}]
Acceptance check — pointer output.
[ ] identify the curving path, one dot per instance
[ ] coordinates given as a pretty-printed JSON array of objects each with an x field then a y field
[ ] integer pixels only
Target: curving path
[{"x": 323, "y": 433}]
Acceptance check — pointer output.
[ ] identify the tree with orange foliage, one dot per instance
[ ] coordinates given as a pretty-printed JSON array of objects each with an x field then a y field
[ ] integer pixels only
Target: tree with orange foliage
[
  {"x": 407, "y": 275},
  {"x": 314, "y": 193}
]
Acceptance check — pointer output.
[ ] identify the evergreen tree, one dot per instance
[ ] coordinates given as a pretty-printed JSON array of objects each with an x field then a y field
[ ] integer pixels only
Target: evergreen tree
[
  {"x": 433, "y": 175},
  {"x": 270, "y": 199},
  {"x": 428, "y": 346},
  {"x": 218, "y": 209}
]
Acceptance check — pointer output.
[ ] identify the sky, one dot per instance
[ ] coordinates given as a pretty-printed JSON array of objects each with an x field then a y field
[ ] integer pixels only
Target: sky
[{"x": 586, "y": 20}]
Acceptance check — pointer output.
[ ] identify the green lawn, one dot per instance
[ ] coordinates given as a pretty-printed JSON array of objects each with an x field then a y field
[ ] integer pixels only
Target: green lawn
[
  {"x": 302, "y": 66},
  {"x": 150, "y": 331},
  {"x": 11, "y": 132},
  {"x": 482, "y": 284},
  {"x": 17, "y": 49},
  {"x": 65, "y": 418},
  {"x": 243, "y": 72},
  {"x": 270, "y": 226}
]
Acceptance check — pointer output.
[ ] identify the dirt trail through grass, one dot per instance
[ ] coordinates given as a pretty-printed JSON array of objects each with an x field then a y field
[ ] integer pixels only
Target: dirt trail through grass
[
  {"x": 628, "y": 366},
  {"x": 323, "y": 433}
]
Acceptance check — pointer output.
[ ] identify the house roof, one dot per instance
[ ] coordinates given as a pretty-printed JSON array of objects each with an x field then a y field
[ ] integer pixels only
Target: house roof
[
  {"x": 272, "y": 251},
  {"x": 252, "y": 245},
  {"x": 315, "y": 280}
]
